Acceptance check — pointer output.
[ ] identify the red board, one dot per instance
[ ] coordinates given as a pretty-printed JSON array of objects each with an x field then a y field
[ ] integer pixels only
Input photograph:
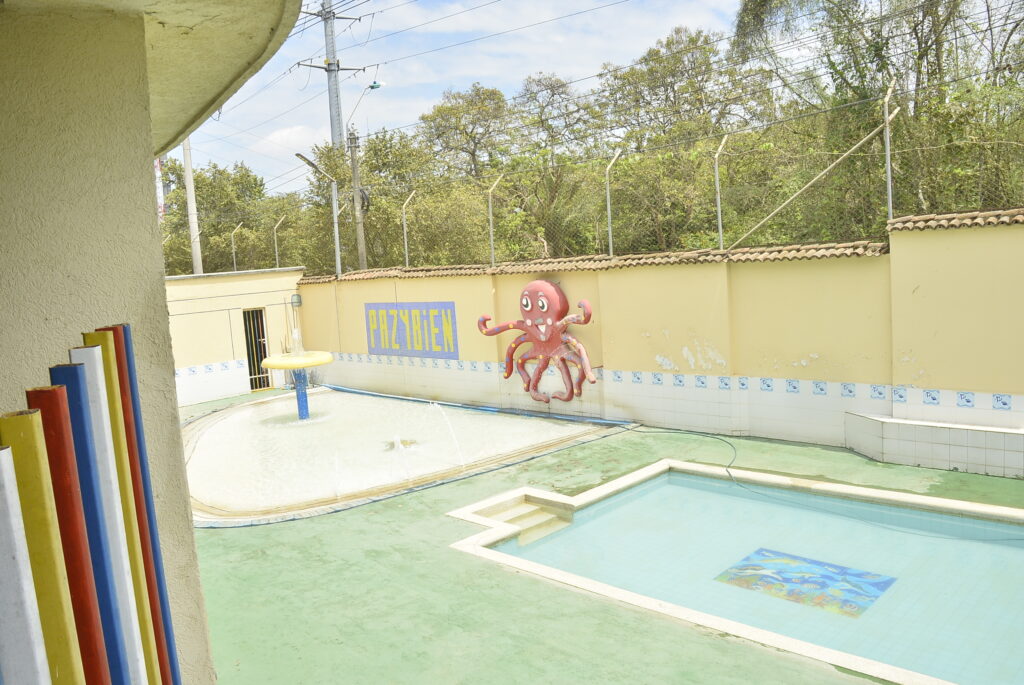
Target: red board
[
  {"x": 52, "y": 403},
  {"x": 140, "y": 503}
]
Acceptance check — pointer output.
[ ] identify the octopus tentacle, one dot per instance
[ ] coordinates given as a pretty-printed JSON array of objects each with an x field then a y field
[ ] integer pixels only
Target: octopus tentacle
[
  {"x": 521, "y": 368},
  {"x": 538, "y": 373},
  {"x": 574, "y": 359},
  {"x": 510, "y": 352},
  {"x": 481, "y": 324},
  {"x": 567, "y": 394},
  {"x": 580, "y": 350},
  {"x": 583, "y": 318}
]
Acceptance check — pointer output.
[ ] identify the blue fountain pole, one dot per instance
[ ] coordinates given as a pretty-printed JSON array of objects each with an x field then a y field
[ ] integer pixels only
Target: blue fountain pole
[{"x": 301, "y": 377}]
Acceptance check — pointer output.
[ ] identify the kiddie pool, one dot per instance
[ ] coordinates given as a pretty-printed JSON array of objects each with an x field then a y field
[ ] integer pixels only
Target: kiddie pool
[{"x": 258, "y": 463}]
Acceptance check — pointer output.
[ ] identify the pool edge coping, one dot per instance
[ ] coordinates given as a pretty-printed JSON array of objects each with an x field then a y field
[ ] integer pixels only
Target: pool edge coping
[{"x": 497, "y": 531}]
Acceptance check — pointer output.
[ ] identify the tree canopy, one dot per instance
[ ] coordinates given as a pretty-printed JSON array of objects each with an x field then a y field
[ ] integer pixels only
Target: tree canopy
[{"x": 797, "y": 85}]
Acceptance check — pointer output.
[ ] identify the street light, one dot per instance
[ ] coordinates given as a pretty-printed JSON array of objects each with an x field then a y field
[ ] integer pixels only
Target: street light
[{"x": 334, "y": 209}]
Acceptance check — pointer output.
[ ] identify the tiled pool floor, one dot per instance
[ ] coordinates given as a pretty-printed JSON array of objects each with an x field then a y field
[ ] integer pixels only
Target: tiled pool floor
[{"x": 375, "y": 594}]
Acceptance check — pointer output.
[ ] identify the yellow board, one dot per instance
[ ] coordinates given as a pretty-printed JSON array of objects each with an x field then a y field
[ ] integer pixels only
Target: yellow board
[
  {"x": 297, "y": 360},
  {"x": 23, "y": 432},
  {"x": 105, "y": 341}
]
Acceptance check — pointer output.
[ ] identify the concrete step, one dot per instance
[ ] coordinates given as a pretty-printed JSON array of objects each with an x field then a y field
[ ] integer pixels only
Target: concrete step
[
  {"x": 532, "y": 518},
  {"x": 517, "y": 509},
  {"x": 541, "y": 530}
]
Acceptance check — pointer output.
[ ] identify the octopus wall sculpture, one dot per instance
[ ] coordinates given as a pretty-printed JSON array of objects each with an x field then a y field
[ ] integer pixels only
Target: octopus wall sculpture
[{"x": 545, "y": 321}]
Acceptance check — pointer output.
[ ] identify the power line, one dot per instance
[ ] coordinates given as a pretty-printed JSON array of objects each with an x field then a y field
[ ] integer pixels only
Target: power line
[
  {"x": 500, "y": 33},
  {"x": 308, "y": 22},
  {"x": 425, "y": 23}
]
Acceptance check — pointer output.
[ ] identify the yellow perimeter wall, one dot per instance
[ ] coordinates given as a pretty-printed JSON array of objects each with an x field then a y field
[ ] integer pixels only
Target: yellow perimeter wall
[
  {"x": 938, "y": 312},
  {"x": 957, "y": 319},
  {"x": 821, "y": 320}
]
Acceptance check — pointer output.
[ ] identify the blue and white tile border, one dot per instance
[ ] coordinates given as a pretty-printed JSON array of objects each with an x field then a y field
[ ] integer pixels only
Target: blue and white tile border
[
  {"x": 774, "y": 407},
  {"x": 206, "y": 382}
]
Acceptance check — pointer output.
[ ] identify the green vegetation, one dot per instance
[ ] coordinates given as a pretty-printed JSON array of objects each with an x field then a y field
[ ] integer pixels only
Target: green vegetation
[{"x": 798, "y": 86}]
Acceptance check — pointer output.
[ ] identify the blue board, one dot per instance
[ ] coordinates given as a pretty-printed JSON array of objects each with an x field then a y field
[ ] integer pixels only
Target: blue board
[
  {"x": 412, "y": 329},
  {"x": 72, "y": 377},
  {"x": 147, "y": 488}
]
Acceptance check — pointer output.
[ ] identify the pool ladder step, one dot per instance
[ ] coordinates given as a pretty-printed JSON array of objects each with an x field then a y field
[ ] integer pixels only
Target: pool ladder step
[{"x": 534, "y": 521}]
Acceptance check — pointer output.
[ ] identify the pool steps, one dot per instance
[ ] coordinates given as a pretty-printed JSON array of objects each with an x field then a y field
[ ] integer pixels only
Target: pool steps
[{"x": 534, "y": 521}]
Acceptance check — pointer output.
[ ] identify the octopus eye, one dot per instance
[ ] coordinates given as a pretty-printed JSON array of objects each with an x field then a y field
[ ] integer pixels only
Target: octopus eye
[
  {"x": 542, "y": 304},
  {"x": 525, "y": 303}
]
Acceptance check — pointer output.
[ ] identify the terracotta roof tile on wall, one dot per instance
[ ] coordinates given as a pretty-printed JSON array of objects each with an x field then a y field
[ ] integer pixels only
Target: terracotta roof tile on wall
[
  {"x": 963, "y": 220},
  {"x": 780, "y": 253}
]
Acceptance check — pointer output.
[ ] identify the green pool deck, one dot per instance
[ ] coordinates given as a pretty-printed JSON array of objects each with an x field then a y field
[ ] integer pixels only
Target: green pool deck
[
  {"x": 194, "y": 411},
  {"x": 374, "y": 594}
]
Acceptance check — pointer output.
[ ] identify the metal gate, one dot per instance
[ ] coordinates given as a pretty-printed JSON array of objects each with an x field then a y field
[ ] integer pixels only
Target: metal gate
[{"x": 256, "y": 347}]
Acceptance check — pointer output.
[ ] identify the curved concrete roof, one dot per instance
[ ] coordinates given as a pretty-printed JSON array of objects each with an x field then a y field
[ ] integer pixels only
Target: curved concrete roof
[{"x": 199, "y": 52}]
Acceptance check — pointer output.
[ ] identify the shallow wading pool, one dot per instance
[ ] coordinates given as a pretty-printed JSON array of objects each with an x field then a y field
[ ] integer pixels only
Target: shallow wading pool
[
  {"x": 900, "y": 593},
  {"x": 258, "y": 463}
]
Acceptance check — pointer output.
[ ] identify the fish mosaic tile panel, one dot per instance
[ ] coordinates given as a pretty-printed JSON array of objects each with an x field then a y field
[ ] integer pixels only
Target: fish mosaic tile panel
[{"x": 834, "y": 588}]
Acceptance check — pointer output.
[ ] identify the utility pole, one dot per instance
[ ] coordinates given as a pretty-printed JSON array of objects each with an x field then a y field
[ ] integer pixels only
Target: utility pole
[
  {"x": 332, "y": 68},
  {"x": 357, "y": 197},
  {"x": 193, "y": 216},
  {"x": 327, "y": 14}
]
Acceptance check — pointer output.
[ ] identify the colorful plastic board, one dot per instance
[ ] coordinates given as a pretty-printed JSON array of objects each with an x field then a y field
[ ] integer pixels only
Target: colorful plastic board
[
  {"x": 105, "y": 340},
  {"x": 23, "y": 432},
  {"x": 141, "y": 510},
  {"x": 158, "y": 561},
  {"x": 52, "y": 403},
  {"x": 91, "y": 359},
  {"x": 22, "y": 652},
  {"x": 72, "y": 377}
]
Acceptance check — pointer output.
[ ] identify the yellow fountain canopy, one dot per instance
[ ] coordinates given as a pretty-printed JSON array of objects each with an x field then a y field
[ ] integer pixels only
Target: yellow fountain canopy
[{"x": 297, "y": 360}]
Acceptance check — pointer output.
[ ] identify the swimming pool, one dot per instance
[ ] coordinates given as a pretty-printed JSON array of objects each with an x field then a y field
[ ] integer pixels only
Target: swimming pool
[{"x": 924, "y": 592}]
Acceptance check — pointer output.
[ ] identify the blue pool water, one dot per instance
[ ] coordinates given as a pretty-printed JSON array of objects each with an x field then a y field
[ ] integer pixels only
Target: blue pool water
[{"x": 936, "y": 594}]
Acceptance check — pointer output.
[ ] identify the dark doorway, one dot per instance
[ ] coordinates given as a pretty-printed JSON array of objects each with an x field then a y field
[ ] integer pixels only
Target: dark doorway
[{"x": 256, "y": 347}]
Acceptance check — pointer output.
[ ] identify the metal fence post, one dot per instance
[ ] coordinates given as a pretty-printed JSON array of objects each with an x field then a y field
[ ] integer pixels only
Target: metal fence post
[
  {"x": 405, "y": 228},
  {"x": 888, "y": 157},
  {"x": 490, "y": 213},
  {"x": 234, "y": 262},
  {"x": 277, "y": 259},
  {"x": 608, "y": 199},
  {"x": 718, "y": 195}
]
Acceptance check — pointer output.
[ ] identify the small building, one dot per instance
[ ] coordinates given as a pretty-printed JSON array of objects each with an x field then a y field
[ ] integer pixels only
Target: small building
[{"x": 224, "y": 324}]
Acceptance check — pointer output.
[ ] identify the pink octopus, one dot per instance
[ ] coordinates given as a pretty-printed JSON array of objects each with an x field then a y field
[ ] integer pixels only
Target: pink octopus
[{"x": 544, "y": 308}]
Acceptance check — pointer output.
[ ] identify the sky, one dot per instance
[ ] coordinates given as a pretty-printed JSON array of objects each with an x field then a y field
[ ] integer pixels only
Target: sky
[{"x": 283, "y": 109}]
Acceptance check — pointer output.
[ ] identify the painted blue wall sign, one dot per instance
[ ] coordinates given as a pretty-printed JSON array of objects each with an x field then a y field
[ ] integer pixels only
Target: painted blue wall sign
[{"x": 412, "y": 329}]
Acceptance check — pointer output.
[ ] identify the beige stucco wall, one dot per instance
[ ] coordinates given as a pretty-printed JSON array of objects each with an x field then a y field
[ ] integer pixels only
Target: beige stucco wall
[
  {"x": 319, "y": 317},
  {"x": 79, "y": 245},
  {"x": 666, "y": 318},
  {"x": 824, "y": 319},
  {"x": 206, "y": 313},
  {"x": 956, "y": 308}
]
